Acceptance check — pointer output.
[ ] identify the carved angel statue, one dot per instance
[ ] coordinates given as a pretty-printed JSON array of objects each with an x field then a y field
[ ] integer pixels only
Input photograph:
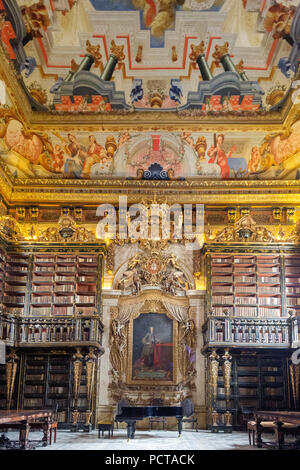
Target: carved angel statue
[
  {"x": 127, "y": 279},
  {"x": 187, "y": 342},
  {"x": 117, "y": 347}
]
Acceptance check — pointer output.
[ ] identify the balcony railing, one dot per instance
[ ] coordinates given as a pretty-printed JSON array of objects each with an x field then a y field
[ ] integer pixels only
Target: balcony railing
[
  {"x": 21, "y": 331},
  {"x": 7, "y": 329},
  {"x": 250, "y": 332}
]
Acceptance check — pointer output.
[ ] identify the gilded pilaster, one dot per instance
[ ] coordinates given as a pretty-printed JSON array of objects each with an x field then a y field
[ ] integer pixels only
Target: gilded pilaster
[{"x": 11, "y": 369}]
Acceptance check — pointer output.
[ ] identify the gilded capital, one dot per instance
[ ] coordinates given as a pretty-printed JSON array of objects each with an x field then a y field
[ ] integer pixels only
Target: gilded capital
[
  {"x": 220, "y": 51},
  {"x": 117, "y": 51},
  {"x": 196, "y": 51}
]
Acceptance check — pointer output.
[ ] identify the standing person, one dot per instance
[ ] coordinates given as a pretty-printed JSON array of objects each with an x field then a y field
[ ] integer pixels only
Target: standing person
[
  {"x": 149, "y": 342},
  {"x": 217, "y": 155}
]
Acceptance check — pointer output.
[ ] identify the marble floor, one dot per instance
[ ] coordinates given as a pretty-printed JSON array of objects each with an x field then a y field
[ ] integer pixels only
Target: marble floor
[{"x": 146, "y": 440}]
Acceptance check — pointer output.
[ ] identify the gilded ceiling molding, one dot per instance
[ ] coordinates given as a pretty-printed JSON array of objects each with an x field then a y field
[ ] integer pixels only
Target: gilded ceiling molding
[{"x": 208, "y": 197}]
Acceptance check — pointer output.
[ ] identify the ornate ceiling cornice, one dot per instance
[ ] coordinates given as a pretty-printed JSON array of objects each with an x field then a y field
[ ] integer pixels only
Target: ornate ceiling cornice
[{"x": 94, "y": 192}]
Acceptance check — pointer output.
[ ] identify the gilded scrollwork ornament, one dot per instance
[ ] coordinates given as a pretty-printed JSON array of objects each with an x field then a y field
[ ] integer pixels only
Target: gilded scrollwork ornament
[{"x": 10, "y": 229}]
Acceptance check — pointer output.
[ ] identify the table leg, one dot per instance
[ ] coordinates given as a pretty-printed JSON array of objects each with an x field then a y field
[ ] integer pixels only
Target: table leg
[
  {"x": 46, "y": 430},
  {"x": 24, "y": 434},
  {"x": 179, "y": 424},
  {"x": 259, "y": 430},
  {"x": 279, "y": 435}
]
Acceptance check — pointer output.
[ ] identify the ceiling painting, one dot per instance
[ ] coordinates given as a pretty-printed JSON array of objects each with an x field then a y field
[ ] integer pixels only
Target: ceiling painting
[
  {"x": 29, "y": 153},
  {"x": 195, "y": 57}
]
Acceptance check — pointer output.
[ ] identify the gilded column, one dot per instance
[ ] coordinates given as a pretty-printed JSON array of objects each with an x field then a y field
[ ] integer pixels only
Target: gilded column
[
  {"x": 90, "y": 360},
  {"x": 116, "y": 55},
  {"x": 86, "y": 63},
  {"x": 11, "y": 369},
  {"x": 295, "y": 381},
  {"x": 227, "y": 358},
  {"x": 221, "y": 54},
  {"x": 213, "y": 379},
  {"x": 77, "y": 367}
]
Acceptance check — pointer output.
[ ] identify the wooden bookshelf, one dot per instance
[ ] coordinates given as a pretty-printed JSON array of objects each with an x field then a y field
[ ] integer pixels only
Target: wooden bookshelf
[
  {"x": 47, "y": 382},
  {"x": 246, "y": 285},
  {"x": 257, "y": 382},
  {"x": 292, "y": 283},
  {"x": 15, "y": 290},
  {"x": 64, "y": 284}
]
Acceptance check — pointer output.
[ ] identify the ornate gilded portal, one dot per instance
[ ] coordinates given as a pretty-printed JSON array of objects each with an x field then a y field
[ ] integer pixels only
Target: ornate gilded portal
[{"x": 153, "y": 341}]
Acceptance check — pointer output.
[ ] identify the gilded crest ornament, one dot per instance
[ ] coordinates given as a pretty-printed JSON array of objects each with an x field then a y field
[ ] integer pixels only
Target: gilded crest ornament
[
  {"x": 66, "y": 230},
  {"x": 154, "y": 268},
  {"x": 244, "y": 229}
]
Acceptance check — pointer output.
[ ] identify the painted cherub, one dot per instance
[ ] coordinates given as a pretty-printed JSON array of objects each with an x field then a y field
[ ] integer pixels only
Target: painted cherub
[{"x": 159, "y": 15}]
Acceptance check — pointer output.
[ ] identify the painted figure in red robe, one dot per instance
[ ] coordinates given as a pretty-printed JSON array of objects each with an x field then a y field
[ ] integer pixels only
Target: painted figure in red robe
[{"x": 217, "y": 155}]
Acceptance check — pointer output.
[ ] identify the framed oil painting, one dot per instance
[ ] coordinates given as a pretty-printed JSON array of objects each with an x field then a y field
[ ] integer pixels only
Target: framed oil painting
[{"x": 152, "y": 357}]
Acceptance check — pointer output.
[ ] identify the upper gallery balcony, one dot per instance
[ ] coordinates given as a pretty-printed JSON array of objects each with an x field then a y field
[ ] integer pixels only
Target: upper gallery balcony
[
  {"x": 51, "y": 331},
  {"x": 220, "y": 331}
]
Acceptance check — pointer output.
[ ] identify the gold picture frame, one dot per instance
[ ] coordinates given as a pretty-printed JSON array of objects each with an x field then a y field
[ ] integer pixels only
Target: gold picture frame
[{"x": 130, "y": 380}]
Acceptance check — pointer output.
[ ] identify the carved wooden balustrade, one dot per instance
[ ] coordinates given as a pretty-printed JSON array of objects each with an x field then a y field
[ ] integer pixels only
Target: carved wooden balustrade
[
  {"x": 73, "y": 331},
  {"x": 250, "y": 332},
  {"x": 7, "y": 329}
]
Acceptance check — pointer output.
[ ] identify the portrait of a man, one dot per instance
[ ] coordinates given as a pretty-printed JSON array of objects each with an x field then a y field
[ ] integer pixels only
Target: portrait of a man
[{"x": 152, "y": 348}]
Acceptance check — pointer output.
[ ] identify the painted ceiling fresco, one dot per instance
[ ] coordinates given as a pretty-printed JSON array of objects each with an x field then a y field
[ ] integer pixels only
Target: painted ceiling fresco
[
  {"x": 122, "y": 56},
  {"x": 193, "y": 57},
  {"x": 144, "y": 155}
]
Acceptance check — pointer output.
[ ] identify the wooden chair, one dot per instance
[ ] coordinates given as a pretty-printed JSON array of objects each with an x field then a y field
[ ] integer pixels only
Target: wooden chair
[
  {"x": 53, "y": 426},
  {"x": 267, "y": 426},
  {"x": 159, "y": 419},
  {"x": 247, "y": 413},
  {"x": 193, "y": 419},
  {"x": 47, "y": 428},
  {"x": 120, "y": 404},
  {"x": 252, "y": 429},
  {"x": 106, "y": 424},
  {"x": 190, "y": 416}
]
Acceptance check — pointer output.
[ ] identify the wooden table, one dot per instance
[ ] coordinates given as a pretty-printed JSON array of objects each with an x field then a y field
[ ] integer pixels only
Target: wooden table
[
  {"x": 279, "y": 418},
  {"x": 22, "y": 419}
]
